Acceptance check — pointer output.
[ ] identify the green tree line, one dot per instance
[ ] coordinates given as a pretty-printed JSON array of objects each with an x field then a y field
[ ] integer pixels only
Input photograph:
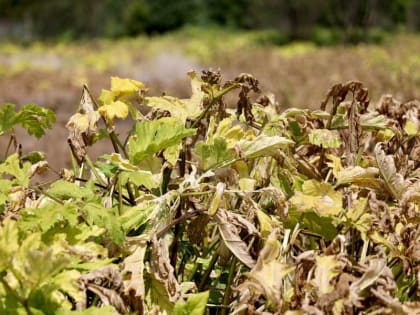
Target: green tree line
[{"x": 297, "y": 19}]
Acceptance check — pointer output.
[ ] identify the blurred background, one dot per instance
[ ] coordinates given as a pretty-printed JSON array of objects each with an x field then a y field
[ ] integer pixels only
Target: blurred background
[{"x": 297, "y": 49}]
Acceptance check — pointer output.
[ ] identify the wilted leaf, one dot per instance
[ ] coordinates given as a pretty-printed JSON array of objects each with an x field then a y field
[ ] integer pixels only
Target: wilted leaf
[
  {"x": 163, "y": 271},
  {"x": 232, "y": 240},
  {"x": 326, "y": 270},
  {"x": 181, "y": 109},
  {"x": 335, "y": 164},
  {"x": 324, "y": 138},
  {"x": 375, "y": 270},
  {"x": 359, "y": 176},
  {"x": 269, "y": 271},
  {"x": 133, "y": 274},
  {"x": 262, "y": 146},
  {"x": 359, "y": 218},
  {"x": 394, "y": 181}
]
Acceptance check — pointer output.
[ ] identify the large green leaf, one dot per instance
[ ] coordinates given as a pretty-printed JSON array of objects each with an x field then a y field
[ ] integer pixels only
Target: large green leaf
[
  {"x": 65, "y": 190},
  {"x": 12, "y": 166},
  {"x": 33, "y": 118},
  {"x": 36, "y": 119},
  {"x": 45, "y": 217},
  {"x": 153, "y": 136},
  {"x": 105, "y": 217}
]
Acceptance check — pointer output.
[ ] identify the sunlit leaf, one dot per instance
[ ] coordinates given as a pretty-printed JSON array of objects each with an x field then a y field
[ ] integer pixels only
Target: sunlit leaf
[
  {"x": 65, "y": 190},
  {"x": 117, "y": 109},
  {"x": 153, "y": 136},
  {"x": 318, "y": 196},
  {"x": 8, "y": 242},
  {"x": 195, "y": 305},
  {"x": 12, "y": 166},
  {"x": 104, "y": 217},
  {"x": 125, "y": 86},
  {"x": 181, "y": 109}
]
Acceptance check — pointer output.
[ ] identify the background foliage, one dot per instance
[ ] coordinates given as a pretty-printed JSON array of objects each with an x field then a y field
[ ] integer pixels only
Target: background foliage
[{"x": 330, "y": 21}]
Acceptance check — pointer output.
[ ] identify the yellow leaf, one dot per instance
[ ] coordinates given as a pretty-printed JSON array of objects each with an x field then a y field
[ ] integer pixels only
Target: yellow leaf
[
  {"x": 107, "y": 97},
  {"x": 326, "y": 270},
  {"x": 116, "y": 109},
  {"x": 125, "y": 86},
  {"x": 335, "y": 164},
  {"x": 411, "y": 128},
  {"x": 264, "y": 222},
  {"x": 318, "y": 196}
]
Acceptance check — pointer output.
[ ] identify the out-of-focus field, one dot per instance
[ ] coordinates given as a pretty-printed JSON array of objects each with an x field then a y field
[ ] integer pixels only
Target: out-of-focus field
[{"x": 298, "y": 74}]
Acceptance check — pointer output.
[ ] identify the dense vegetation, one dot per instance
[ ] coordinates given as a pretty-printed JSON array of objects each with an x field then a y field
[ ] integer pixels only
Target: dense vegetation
[
  {"x": 323, "y": 21},
  {"x": 215, "y": 205}
]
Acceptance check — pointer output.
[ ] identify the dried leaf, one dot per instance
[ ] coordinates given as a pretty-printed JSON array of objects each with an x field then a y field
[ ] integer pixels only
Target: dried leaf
[
  {"x": 133, "y": 277},
  {"x": 359, "y": 176},
  {"x": 394, "y": 181},
  {"x": 232, "y": 240},
  {"x": 163, "y": 271}
]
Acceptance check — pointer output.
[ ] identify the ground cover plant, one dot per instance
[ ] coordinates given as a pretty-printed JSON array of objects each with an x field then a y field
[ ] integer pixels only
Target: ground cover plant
[{"x": 220, "y": 203}]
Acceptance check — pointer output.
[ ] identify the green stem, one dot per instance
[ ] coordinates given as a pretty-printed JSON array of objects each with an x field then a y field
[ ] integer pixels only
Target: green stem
[
  {"x": 21, "y": 300},
  {"x": 94, "y": 171},
  {"x": 228, "y": 290},
  {"x": 120, "y": 200},
  {"x": 131, "y": 195},
  {"x": 209, "y": 269},
  {"x": 12, "y": 139}
]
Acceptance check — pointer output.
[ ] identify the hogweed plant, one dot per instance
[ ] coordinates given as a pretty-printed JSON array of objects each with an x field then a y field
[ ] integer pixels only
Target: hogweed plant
[{"x": 212, "y": 207}]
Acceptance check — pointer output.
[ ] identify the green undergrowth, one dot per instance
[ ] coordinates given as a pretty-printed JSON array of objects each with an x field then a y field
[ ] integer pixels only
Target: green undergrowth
[{"x": 210, "y": 207}]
